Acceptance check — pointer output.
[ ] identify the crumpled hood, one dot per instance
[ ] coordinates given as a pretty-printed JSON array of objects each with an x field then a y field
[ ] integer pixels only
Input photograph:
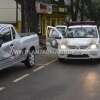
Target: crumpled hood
[{"x": 79, "y": 41}]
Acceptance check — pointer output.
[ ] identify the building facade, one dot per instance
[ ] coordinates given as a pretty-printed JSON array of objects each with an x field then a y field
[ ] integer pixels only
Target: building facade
[
  {"x": 51, "y": 13},
  {"x": 8, "y": 12}
]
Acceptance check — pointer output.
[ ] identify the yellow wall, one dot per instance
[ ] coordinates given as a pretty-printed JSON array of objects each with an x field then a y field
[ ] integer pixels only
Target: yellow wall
[
  {"x": 49, "y": 20},
  {"x": 18, "y": 27}
]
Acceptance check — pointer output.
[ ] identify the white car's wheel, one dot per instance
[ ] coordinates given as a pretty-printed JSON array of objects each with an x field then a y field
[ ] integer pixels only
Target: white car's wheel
[
  {"x": 60, "y": 59},
  {"x": 30, "y": 61},
  {"x": 95, "y": 61}
]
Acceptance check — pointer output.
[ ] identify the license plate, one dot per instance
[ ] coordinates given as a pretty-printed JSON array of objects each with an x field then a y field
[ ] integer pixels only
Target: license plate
[{"x": 77, "y": 53}]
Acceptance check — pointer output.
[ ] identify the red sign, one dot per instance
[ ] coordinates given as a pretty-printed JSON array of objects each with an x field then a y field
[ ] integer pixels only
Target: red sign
[{"x": 43, "y": 8}]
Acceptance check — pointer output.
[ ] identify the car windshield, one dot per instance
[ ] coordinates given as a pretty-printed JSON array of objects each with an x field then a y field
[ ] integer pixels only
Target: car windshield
[
  {"x": 82, "y": 32},
  {"x": 62, "y": 30}
]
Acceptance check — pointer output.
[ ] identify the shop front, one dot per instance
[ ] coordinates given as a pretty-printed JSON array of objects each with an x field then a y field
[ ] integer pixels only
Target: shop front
[
  {"x": 50, "y": 20},
  {"x": 50, "y": 15}
]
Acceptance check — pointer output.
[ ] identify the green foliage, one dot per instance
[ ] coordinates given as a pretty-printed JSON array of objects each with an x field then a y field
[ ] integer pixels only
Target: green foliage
[{"x": 87, "y": 9}]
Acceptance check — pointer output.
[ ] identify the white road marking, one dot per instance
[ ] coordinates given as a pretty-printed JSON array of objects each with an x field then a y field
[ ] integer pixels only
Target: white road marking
[
  {"x": 44, "y": 65},
  {"x": 21, "y": 78},
  {"x": 35, "y": 70},
  {"x": 50, "y": 62},
  {"x": 2, "y": 88},
  {"x": 39, "y": 68}
]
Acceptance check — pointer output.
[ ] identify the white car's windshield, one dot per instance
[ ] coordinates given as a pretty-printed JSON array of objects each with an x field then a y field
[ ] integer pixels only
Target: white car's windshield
[
  {"x": 82, "y": 32},
  {"x": 62, "y": 30}
]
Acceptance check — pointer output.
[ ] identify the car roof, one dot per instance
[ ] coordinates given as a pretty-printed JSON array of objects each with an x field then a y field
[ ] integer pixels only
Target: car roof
[
  {"x": 61, "y": 26},
  {"x": 76, "y": 26},
  {"x": 6, "y": 25}
]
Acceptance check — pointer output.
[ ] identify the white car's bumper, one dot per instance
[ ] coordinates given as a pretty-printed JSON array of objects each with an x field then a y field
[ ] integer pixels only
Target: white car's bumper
[{"x": 79, "y": 54}]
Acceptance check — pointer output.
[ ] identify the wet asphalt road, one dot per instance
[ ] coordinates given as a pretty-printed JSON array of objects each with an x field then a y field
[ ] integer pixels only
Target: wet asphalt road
[{"x": 51, "y": 80}]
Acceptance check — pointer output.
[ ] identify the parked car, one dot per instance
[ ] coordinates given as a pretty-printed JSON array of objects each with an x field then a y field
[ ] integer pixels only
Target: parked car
[
  {"x": 16, "y": 47},
  {"x": 81, "y": 41}
]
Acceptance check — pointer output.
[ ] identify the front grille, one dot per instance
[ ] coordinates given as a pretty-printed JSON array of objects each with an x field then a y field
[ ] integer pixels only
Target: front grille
[
  {"x": 78, "y": 56},
  {"x": 83, "y": 47},
  {"x": 77, "y": 47},
  {"x": 72, "y": 47}
]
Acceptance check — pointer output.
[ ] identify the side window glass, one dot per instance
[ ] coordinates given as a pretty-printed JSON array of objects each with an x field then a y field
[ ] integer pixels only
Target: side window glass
[
  {"x": 54, "y": 34},
  {"x": 50, "y": 35},
  {"x": 7, "y": 36},
  {"x": 13, "y": 33}
]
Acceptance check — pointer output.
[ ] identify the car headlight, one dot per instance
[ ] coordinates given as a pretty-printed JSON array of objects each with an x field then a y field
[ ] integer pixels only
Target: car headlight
[
  {"x": 93, "y": 46},
  {"x": 63, "y": 47}
]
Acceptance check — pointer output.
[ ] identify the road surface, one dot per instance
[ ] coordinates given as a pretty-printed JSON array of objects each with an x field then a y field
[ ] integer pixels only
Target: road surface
[{"x": 51, "y": 80}]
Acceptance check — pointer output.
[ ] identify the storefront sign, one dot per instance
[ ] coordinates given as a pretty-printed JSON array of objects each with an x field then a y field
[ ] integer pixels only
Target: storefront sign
[{"x": 43, "y": 8}]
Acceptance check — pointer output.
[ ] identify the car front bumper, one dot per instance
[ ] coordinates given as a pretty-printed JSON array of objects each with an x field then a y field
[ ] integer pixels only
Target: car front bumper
[{"x": 79, "y": 54}]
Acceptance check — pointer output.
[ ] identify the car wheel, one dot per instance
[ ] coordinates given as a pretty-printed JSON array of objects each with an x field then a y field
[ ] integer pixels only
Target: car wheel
[
  {"x": 96, "y": 61},
  {"x": 30, "y": 61},
  {"x": 60, "y": 59}
]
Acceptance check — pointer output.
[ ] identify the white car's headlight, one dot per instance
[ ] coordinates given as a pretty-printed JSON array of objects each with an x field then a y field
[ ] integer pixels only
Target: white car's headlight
[
  {"x": 93, "y": 46},
  {"x": 63, "y": 47}
]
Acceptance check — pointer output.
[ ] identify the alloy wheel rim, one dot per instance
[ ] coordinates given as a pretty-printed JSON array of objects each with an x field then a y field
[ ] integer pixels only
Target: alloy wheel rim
[{"x": 32, "y": 58}]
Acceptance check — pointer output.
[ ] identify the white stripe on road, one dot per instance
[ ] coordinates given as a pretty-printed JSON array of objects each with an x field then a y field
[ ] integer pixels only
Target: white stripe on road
[
  {"x": 2, "y": 88},
  {"x": 50, "y": 62},
  {"x": 39, "y": 68},
  {"x": 21, "y": 78},
  {"x": 44, "y": 65},
  {"x": 35, "y": 70}
]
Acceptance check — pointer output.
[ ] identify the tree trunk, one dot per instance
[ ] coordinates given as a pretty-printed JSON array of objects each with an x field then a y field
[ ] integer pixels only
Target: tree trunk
[
  {"x": 72, "y": 10},
  {"x": 29, "y": 16},
  {"x": 22, "y": 16}
]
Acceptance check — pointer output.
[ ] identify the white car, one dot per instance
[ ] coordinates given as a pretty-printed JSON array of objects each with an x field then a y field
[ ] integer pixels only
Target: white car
[
  {"x": 15, "y": 48},
  {"x": 79, "y": 42}
]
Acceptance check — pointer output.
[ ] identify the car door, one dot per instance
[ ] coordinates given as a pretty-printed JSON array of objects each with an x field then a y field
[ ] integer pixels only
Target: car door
[
  {"x": 6, "y": 56},
  {"x": 15, "y": 47},
  {"x": 53, "y": 39},
  {"x": 18, "y": 50}
]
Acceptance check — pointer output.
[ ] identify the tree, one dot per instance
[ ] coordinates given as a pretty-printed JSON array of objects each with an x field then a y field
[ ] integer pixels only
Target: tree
[
  {"x": 29, "y": 15},
  {"x": 84, "y": 8},
  {"x": 74, "y": 9}
]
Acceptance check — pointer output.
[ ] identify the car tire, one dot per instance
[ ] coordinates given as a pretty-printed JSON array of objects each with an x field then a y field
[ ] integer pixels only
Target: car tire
[
  {"x": 96, "y": 61},
  {"x": 60, "y": 59},
  {"x": 30, "y": 61}
]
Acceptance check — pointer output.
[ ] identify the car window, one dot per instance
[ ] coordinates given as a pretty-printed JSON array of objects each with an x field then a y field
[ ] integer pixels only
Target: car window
[
  {"x": 62, "y": 30},
  {"x": 7, "y": 36},
  {"x": 53, "y": 34},
  {"x": 5, "y": 33}
]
